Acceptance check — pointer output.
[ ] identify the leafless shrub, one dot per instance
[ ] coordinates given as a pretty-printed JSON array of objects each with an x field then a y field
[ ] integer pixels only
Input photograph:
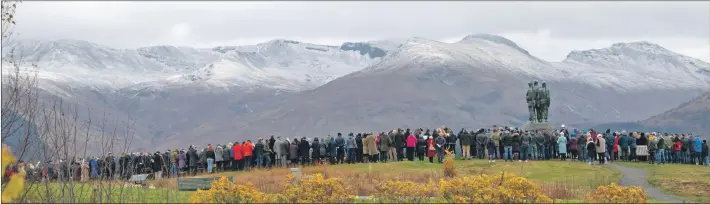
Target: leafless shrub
[{"x": 45, "y": 129}]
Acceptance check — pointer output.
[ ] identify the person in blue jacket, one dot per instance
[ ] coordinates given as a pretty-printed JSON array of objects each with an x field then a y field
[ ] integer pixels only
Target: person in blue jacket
[
  {"x": 624, "y": 147},
  {"x": 698, "y": 150},
  {"x": 94, "y": 167}
]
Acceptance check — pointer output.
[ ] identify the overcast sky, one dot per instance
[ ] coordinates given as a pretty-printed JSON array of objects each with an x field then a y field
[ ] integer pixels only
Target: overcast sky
[{"x": 548, "y": 30}]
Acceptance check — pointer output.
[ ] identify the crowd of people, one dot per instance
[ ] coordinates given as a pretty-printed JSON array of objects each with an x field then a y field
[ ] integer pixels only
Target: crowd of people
[{"x": 498, "y": 143}]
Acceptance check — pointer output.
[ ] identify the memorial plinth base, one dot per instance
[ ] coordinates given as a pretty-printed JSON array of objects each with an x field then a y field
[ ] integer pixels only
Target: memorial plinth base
[{"x": 535, "y": 126}]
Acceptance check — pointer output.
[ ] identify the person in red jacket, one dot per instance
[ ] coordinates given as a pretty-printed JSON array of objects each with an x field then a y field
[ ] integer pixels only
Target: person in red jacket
[
  {"x": 237, "y": 151},
  {"x": 677, "y": 147},
  {"x": 616, "y": 147},
  {"x": 247, "y": 150},
  {"x": 430, "y": 149}
]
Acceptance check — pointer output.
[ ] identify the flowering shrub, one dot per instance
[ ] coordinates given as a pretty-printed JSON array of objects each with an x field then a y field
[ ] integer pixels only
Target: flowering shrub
[
  {"x": 404, "y": 192},
  {"x": 17, "y": 181},
  {"x": 317, "y": 189},
  {"x": 617, "y": 194},
  {"x": 224, "y": 191},
  {"x": 500, "y": 188}
]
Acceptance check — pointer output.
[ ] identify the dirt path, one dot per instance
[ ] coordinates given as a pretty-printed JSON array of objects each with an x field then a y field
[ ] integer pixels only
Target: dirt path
[{"x": 639, "y": 177}]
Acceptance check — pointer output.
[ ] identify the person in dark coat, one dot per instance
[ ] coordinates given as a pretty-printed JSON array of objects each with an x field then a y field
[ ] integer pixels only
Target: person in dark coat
[
  {"x": 166, "y": 163},
  {"x": 315, "y": 145},
  {"x": 704, "y": 154},
  {"x": 158, "y": 166},
  {"x": 642, "y": 140},
  {"x": 358, "y": 140},
  {"x": 340, "y": 143},
  {"x": 123, "y": 162},
  {"x": 491, "y": 147},
  {"x": 451, "y": 141},
  {"x": 272, "y": 143},
  {"x": 421, "y": 147},
  {"x": 192, "y": 160},
  {"x": 332, "y": 150},
  {"x": 293, "y": 152},
  {"x": 111, "y": 165},
  {"x": 259, "y": 152},
  {"x": 481, "y": 140},
  {"x": 399, "y": 144},
  {"x": 515, "y": 144},
  {"x": 441, "y": 146}
]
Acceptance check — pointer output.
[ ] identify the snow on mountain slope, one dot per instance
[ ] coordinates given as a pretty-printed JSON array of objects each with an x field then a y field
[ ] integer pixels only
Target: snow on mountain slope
[
  {"x": 83, "y": 64},
  {"x": 281, "y": 64},
  {"x": 287, "y": 64},
  {"x": 179, "y": 58},
  {"x": 622, "y": 67},
  {"x": 472, "y": 52},
  {"x": 638, "y": 65}
]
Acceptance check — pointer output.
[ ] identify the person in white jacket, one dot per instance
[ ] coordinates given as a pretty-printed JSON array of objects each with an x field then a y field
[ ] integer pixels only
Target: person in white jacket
[{"x": 601, "y": 148}]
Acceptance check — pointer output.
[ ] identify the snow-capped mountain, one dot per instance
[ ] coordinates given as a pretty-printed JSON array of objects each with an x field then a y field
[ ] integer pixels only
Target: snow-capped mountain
[
  {"x": 288, "y": 87},
  {"x": 280, "y": 64},
  {"x": 476, "y": 82},
  {"x": 638, "y": 65},
  {"x": 85, "y": 64}
]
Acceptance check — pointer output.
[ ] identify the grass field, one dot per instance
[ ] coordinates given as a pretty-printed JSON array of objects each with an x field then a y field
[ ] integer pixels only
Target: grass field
[
  {"x": 567, "y": 182},
  {"x": 101, "y": 193},
  {"x": 689, "y": 182}
]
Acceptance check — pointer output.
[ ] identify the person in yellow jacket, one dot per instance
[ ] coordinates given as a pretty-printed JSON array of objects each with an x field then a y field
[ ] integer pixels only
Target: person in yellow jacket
[{"x": 495, "y": 136}]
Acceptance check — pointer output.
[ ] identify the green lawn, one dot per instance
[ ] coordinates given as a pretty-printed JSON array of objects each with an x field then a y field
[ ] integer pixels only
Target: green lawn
[
  {"x": 689, "y": 182},
  {"x": 95, "y": 193}
]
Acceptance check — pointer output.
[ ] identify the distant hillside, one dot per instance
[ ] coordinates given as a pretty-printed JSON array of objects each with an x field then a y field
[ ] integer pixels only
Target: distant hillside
[{"x": 692, "y": 116}]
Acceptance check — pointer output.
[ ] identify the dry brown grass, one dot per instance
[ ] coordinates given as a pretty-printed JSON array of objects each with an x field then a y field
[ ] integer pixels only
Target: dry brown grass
[
  {"x": 364, "y": 183},
  {"x": 558, "y": 180}
]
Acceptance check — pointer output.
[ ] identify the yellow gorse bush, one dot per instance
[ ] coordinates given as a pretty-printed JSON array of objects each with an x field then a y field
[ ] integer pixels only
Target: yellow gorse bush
[
  {"x": 225, "y": 191},
  {"x": 617, "y": 194},
  {"x": 317, "y": 189},
  {"x": 449, "y": 165},
  {"x": 404, "y": 192},
  {"x": 16, "y": 184},
  {"x": 500, "y": 188}
]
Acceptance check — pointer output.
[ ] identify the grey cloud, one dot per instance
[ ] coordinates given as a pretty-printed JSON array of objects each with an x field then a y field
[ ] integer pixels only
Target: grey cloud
[{"x": 132, "y": 24}]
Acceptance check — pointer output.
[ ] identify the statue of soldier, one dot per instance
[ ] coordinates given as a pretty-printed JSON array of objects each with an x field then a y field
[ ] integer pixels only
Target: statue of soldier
[
  {"x": 544, "y": 105},
  {"x": 530, "y": 99},
  {"x": 538, "y": 101}
]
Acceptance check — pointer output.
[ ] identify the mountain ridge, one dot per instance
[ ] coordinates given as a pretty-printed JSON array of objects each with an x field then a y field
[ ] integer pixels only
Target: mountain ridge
[{"x": 282, "y": 87}]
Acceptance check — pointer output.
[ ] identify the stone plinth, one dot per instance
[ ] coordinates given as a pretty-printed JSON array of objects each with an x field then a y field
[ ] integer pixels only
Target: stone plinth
[{"x": 534, "y": 126}]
